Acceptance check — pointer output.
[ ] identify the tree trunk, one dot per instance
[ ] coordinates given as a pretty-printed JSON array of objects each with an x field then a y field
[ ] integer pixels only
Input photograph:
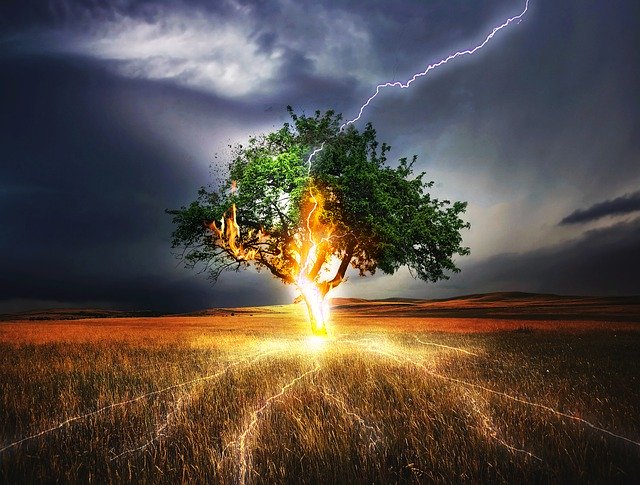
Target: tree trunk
[{"x": 326, "y": 286}]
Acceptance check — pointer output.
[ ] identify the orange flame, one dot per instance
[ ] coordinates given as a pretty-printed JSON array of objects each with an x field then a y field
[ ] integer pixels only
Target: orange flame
[{"x": 229, "y": 235}]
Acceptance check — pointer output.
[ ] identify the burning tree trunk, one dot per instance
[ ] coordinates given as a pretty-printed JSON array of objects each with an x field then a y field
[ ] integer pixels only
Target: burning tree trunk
[{"x": 314, "y": 293}]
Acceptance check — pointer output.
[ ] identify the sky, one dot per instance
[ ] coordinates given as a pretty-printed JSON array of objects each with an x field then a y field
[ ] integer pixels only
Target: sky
[{"x": 113, "y": 111}]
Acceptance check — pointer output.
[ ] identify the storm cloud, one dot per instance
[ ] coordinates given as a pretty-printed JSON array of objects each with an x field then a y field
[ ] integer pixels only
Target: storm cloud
[
  {"x": 602, "y": 262},
  {"x": 620, "y": 205},
  {"x": 113, "y": 112}
]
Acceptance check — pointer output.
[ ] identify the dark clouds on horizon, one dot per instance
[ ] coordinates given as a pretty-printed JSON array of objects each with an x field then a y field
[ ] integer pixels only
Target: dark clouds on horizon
[
  {"x": 113, "y": 112},
  {"x": 621, "y": 205},
  {"x": 601, "y": 262}
]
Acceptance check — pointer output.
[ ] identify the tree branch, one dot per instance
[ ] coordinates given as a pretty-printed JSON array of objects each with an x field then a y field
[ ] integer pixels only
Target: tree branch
[
  {"x": 284, "y": 277},
  {"x": 313, "y": 272},
  {"x": 326, "y": 286}
]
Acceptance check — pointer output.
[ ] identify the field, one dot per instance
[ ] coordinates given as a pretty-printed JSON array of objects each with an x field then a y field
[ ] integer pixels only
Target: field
[{"x": 491, "y": 388}]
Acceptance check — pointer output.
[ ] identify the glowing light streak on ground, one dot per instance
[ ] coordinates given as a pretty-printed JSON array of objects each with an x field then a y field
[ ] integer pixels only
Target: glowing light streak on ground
[
  {"x": 368, "y": 340},
  {"x": 488, "y": 427},
  {"x": 244, "y": 455},
  {"x": 458, "y": 349},
  {"x": 352, "y": 414},
  {"x": 109, "y": 407},
  {"x": 387, "y": 352},
  {"x": 370, "y": 433},
  {"x": 429, "y": 68},
  {"x": 158, "y": 433}
]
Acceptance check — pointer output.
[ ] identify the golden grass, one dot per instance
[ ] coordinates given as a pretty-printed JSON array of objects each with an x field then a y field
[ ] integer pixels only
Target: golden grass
[{"x": 250, "y": 398}]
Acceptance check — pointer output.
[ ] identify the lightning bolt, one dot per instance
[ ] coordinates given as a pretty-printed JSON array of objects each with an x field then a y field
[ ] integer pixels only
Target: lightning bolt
[
  {"x": 405, "y": 85},
  {"x": 314, "y": 153},
  {"x": 70, "y": 421},
  {"x": 441, "y": 62}
]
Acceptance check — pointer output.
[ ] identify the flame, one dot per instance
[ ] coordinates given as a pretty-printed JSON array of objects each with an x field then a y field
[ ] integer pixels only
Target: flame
[
  {"x": 308, "y": 251},
  {"x": 229, "y": 234}
]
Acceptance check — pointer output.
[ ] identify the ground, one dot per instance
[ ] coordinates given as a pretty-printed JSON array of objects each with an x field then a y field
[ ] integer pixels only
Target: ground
[{"x": 503, "y": 388}]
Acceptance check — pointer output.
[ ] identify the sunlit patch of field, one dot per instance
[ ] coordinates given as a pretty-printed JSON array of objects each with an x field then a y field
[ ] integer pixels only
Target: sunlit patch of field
[{"x": 248, "y": 396}]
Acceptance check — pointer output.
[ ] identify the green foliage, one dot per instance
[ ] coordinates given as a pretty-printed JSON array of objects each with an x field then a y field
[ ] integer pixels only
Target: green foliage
[{"x": 383, "y": 216}]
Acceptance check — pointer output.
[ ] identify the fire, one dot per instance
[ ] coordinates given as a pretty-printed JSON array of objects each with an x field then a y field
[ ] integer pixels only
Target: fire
[
  {"x": 307, "y": 253},
  {"x": 229, "y": 233}
]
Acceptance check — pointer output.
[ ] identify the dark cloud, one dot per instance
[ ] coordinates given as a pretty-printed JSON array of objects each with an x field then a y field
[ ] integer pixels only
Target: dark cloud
[
  {"x": 122, "y": 281},
  {"x": 83, "y": 190},
  {"x": 549, "y": 96},
  {"x": 30, "y": 14},
  {"x": 601, "y": 262},
  {"x": 620, "y": 205}
]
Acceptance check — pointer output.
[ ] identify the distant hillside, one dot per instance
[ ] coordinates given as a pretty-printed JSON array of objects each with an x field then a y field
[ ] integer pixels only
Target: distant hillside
[
  {"x": 82, "y": 313},
  {"x": 74, "y": 314},
  {"x": 511, "y": 305},
  {"x": 244, "y": 310}
]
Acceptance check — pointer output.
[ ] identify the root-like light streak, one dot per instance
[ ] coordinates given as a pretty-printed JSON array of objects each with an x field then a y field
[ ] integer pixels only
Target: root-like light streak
[
  {"x": 109, "y": 407},
  {"x": 458, "y": 349},
  {"x": 488, "y": 426},
  {"x": 244, "y": 455},
  {"x": 473, "y": 385},
  {"x": 352, "y": 414},
  {"x": 158, "y": 433}
]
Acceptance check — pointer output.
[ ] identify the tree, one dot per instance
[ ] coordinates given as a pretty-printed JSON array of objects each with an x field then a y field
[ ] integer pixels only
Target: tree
[{"x": 306, "y": 218}]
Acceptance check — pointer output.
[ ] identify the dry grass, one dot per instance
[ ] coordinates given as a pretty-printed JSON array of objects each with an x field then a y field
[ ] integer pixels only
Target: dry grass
[{"x": 248, "y": 398}]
